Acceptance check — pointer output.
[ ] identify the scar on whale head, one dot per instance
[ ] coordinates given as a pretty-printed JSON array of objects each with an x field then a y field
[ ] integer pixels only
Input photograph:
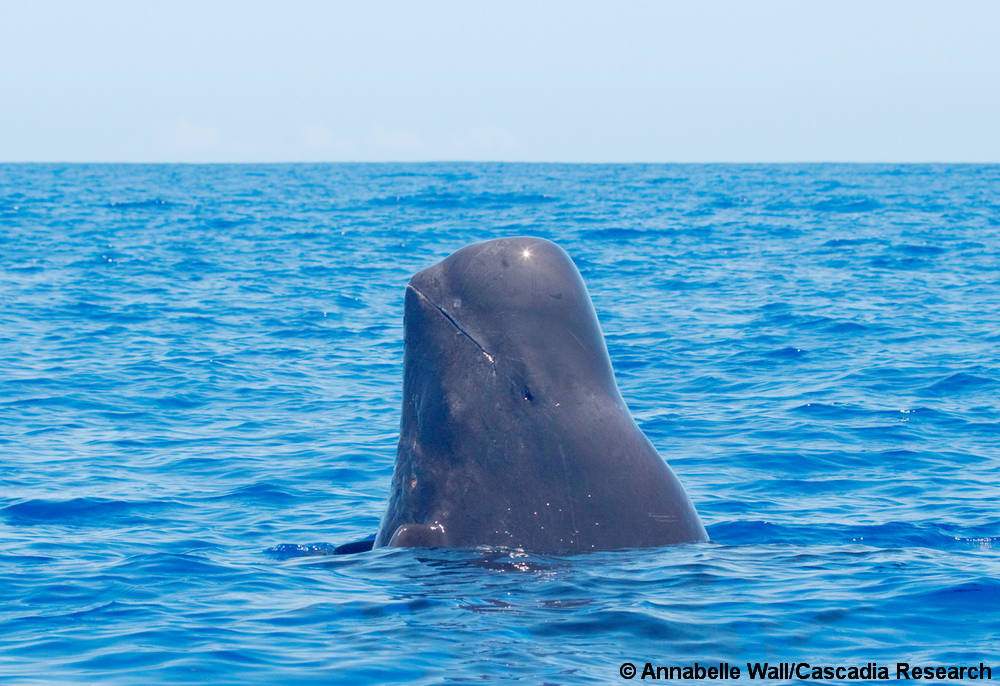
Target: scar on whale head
[{"x": 513, "y": 431}]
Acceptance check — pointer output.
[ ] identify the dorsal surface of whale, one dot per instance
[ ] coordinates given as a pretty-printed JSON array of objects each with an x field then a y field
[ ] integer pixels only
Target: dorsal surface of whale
[{"x": 513, "y": 431}]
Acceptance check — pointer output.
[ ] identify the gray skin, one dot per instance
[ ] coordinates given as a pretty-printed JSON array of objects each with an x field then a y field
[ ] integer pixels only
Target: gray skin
[{"x": 513, "y": 430}]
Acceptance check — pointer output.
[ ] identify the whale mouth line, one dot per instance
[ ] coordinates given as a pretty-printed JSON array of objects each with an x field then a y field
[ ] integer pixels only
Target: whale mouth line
[{"x": 453, "y": 322}]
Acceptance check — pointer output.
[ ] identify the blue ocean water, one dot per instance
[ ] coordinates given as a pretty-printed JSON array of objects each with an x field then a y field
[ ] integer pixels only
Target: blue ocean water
[{"x": 200, "y": 372}]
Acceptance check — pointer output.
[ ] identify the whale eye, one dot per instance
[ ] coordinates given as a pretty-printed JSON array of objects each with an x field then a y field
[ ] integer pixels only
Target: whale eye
[{"x": 526, "y": 392}]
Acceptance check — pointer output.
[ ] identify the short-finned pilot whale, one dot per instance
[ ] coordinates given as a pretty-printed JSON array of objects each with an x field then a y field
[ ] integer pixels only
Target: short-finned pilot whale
[{"x": 513, "y": 431}]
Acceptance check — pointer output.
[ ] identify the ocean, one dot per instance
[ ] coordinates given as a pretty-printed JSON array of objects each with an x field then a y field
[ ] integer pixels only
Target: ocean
[{"x": 200, "y": 386}]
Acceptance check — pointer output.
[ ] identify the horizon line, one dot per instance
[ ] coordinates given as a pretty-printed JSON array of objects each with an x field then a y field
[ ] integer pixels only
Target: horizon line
[{"x": 538, "y": 162}]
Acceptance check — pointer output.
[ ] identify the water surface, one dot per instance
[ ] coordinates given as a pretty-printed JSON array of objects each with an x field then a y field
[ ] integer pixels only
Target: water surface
[{"x": 200, "y": 371}]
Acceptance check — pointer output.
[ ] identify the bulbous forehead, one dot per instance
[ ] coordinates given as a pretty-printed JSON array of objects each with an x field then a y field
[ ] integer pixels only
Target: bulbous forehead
[{"x": 507, "y": 272}]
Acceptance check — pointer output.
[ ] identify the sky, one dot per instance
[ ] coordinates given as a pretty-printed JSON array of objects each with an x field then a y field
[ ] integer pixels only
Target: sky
[{"x": 545, "y": 80}]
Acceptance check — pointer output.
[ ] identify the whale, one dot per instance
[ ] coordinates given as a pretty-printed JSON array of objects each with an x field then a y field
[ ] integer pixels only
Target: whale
[{"x": 513, "y": 431}]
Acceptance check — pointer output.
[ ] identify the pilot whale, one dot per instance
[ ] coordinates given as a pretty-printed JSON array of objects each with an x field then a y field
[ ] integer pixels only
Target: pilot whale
[{"x": 513, "y": 431}]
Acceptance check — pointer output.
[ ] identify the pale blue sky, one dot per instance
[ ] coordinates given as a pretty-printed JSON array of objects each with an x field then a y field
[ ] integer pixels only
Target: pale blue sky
[{"x": 297, "y": 80}]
